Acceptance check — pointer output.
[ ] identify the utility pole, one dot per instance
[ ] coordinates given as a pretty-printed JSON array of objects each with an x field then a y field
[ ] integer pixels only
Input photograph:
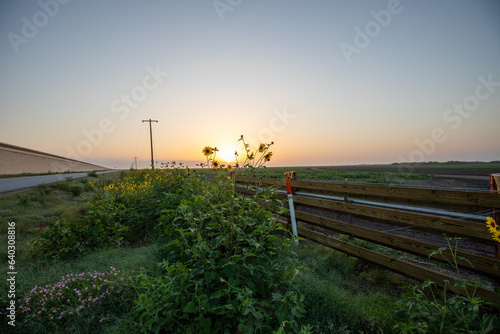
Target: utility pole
[
  {"x": 135, "y": 163},
  {"x": 151, "y": 139}
]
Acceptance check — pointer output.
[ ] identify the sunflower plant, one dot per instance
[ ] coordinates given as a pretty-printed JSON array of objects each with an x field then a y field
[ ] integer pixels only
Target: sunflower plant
[
  {"x": 211, "y": 153},
  {"x": 255, "y": 159}
]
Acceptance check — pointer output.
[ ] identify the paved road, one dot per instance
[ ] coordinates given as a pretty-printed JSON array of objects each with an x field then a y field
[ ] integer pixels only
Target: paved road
[{"x": 27, "y": 182}]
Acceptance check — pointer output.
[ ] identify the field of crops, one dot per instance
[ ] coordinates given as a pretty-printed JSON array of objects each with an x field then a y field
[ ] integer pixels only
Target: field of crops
[
  {"x": 453, "y": 174},
  {"x": 449, "y": 168},
  {"x": 325, "y": 174}
]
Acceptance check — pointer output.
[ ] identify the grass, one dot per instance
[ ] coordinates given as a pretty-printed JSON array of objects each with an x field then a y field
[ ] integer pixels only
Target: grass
[
  {"x": 325, "y": 174},
  {"x": 130, "y": 260},
  {"x": 46, "y": 203},
  {"x": 112, "y": 319},
  {"x": 344, "y": 294}
]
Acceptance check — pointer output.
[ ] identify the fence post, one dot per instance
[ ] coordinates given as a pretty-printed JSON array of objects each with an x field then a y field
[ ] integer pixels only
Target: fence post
[{"x": 291, "y": 176}]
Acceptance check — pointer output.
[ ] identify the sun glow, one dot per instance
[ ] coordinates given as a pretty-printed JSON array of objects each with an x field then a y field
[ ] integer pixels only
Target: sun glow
[{"x": 226, "y": 154}]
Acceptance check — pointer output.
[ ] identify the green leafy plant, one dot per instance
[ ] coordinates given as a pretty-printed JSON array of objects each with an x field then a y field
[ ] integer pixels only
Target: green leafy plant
[
  {"x": 75, "y": 189},
  {"x": 124, "y": 211},
  {"x": 66, "y": 239},
  {"x": 421, "y": 310},
  {"x": 92, "y": 174},
  {"x": 225, "y": 258},
  {"x": 24, "y": 199}
]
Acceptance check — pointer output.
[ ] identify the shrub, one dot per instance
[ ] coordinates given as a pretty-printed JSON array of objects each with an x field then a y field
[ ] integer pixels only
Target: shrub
[
  {"x": 224, "y": 267},
  {"x": 92, "y": 174},
  {"x": 63, "y": 239},
  {"x": 75, "y": 189},
  {"x": 127, "y": 210},
  {"x": 63, "y": 185},
  {"x": 24, "y": 199},
  {"x": 43, "y": 189}
]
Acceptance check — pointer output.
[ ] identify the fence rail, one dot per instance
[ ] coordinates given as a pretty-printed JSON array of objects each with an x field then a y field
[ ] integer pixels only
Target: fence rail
[{"x": 433, "y": 211}]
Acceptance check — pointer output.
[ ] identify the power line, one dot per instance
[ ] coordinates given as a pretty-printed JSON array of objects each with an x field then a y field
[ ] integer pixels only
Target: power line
[{"x": 151, "y": 139}]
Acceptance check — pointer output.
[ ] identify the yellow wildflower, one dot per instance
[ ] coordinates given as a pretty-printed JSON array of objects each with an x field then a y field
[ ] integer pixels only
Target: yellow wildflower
[
  {"x": 262, "y": 148},
  {"x": 105, "y": 187},
  {"x": 215, "y": 165},
  {"x": 251, "y": 156},
  {"x": 268, "y": 156},
  {"x": 490, "y": 223},
  {"x": 207, "y": 151},
  {"x": 496, "y": 236}
]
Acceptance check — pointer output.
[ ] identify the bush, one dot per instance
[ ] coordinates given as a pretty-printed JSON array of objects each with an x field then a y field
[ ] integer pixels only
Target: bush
[
  {"x": 63, "y": 185},
  {"x": 75, "y": 189},
  {"x": 24, "y": 199},
  {"x": 43, "y": 189},
  {"x": 63, "y": 239},
  {"x": 224, "y": 268},
  {"x": 92, "y": 174},
  {"x": 127, "y": 210}
]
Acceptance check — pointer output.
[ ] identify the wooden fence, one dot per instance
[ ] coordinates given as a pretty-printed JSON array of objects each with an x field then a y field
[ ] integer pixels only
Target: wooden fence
[{"x": 324, "y": 210}]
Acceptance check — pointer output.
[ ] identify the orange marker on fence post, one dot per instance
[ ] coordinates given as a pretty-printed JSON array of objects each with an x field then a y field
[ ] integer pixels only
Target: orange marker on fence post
[{"x": 291, "y": 176}]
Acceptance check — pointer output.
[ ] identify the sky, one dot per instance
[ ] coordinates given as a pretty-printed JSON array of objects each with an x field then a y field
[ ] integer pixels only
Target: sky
[{"x": 330, "y": 82}]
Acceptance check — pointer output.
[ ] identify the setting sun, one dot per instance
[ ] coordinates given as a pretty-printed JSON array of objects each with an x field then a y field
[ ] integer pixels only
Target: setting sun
[{"x": 226, "y": 154}]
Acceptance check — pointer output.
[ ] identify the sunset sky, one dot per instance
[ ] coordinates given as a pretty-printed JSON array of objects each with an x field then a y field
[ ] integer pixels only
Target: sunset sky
[{"x": 330, "y": 82}]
